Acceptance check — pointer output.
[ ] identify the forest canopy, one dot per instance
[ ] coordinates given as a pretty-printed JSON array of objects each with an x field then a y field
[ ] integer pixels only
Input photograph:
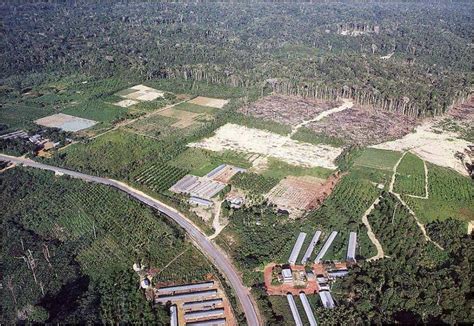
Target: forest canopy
[{"x": 412, "y": 57}]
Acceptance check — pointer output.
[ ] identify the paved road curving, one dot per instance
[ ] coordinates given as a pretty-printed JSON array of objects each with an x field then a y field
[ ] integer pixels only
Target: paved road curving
[{"x": 202, "y": 242}]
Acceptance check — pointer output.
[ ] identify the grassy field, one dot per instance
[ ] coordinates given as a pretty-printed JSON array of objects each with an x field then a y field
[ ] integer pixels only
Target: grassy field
[
  {"x": 96, "y": 110},
  {"x": 410, "y": 177},
  {"x": 450, "y": 195},
  {"x": 377, "y": 159},
  {"x": 200, "y": 162},
  {"x": 278, "y": 170},
  {"x": 154, "y": 126},
  {"x": 190, "y": 107},
  {"x": 308, "y": 136}
]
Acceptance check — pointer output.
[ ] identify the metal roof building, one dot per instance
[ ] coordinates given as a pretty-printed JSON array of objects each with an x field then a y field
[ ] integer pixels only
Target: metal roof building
[
  {"x": 326, "y": 299},
  {"x": 294, "y": 310},
  {"x": 311, "y": 246},
  {"x": 206, "y": 304},
  {"x": 186, "y": 287},
  {"x": 351, "y": 248},
  {"x": 174, "y": 316},
  {"x": 326, "y": 246},
  {"x": 204, "y": 313},
  {"x": 191, "y": 295},
  {"x": 200, "y": 201},
  {"x": 308, "y": 310},
  {"x": 213, "y": 322},
  {"x": 297, "y": 248}
]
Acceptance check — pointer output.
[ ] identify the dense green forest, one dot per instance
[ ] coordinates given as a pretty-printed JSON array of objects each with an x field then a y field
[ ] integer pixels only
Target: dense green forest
[
  {"x": 68, "y": 248},
  {"x": 411, "y": 57}
]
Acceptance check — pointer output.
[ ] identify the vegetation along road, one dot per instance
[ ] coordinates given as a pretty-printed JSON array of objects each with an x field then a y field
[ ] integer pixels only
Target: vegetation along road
[{"x": 203, "y": 243}]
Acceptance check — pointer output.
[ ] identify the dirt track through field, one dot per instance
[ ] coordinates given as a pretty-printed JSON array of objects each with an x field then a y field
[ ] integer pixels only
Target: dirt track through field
[
  {"x": 380, "y": 253},
  {"x": 420, "y": 225}
]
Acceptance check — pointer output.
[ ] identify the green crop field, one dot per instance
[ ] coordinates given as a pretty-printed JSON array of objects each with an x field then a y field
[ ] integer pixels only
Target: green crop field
[
  {"x": 200, "y": 161},
  {"x": 450, "y": 195},
  {"x": 308, "y": 136},
  {"x": 378, "y": 159},
  {"x": 410, "y": 178},
  {"x": 160, "y": 176},
  {"x": 255, "y": 184},
  {"x": 278, "y": 170},
  {"x": 115, "y": 154},
  {"x": 155, "y": 126},
  {"x": 96, "y": 110}
]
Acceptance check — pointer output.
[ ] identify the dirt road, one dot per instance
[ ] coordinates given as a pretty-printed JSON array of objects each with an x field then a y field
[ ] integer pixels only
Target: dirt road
[
  {"x": 206, "y": 246},
  {"x": 380, "y": 253}
]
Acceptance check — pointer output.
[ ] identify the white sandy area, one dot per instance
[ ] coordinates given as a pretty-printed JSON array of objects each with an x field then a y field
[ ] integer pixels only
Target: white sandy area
[
  {"x": 126, "y": 103},
  {"x": 249, "y": 140},
  {"x": 437, "y": 148}
]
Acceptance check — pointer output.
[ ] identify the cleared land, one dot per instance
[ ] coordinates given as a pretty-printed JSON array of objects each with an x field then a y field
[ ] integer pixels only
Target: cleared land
[
  {"x": 184, "y": 118},
  {"x": 378, "y": 159},
  {"x": 248, "y": 140},
  {"x": 65, "y": 122},
  {"x": 364, "y": 126},
  {"x": 126, "y": 103},
  {"x": 288, "y": 110},
  {"x": 298, "y": 194},
  {"x": 210, "y": 102},
  {"x": 432, "y": 146}
]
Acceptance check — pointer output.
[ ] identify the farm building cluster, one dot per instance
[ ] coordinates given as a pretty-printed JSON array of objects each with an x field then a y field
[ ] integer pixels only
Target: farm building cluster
[
  {"x": 197, "y": 304},
  {"x": 39, "y": 141},
  {"x": 309, "y": 278},
  {"x": 202, "y": 189}
]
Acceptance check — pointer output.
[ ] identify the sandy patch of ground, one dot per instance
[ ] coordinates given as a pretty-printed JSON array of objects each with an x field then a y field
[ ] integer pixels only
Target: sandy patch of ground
[
  {"x": 288, "y": 110},
  {"x": 260, "y": 164},
  {"x": 432, "y": 146},
  {"x": 185, "y": 118},
  {"x": 143, "y": 93},
  {"x": 249, "y": 140},
  {"x": 126, "y": 103},
  {"x": 209, "y": 101},
  {"x": 65, "y": 122}
]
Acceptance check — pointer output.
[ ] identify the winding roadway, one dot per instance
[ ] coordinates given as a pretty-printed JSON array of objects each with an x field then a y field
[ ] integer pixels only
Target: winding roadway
[{"x": 217, "y": 257}]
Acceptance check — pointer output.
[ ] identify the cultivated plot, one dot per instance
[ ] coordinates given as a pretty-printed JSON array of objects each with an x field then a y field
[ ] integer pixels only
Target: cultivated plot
[
  {"x": 209, "y": 101},
  {"x": 65, "y": 122},
  {"x": 249, "y": 140},
  {"x": 138, "y": 93}
]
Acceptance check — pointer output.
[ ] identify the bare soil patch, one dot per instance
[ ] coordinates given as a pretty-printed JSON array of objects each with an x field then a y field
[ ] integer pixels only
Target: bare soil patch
[
  {"x": 288, "y": 110},
  {"x": 250, "y": 140},
  {"x": 431, "y": 145},
  {"x": 65, "y": 122},
  {"x": 299, "y": 194},
  {"x": 364, "y": 126}
]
